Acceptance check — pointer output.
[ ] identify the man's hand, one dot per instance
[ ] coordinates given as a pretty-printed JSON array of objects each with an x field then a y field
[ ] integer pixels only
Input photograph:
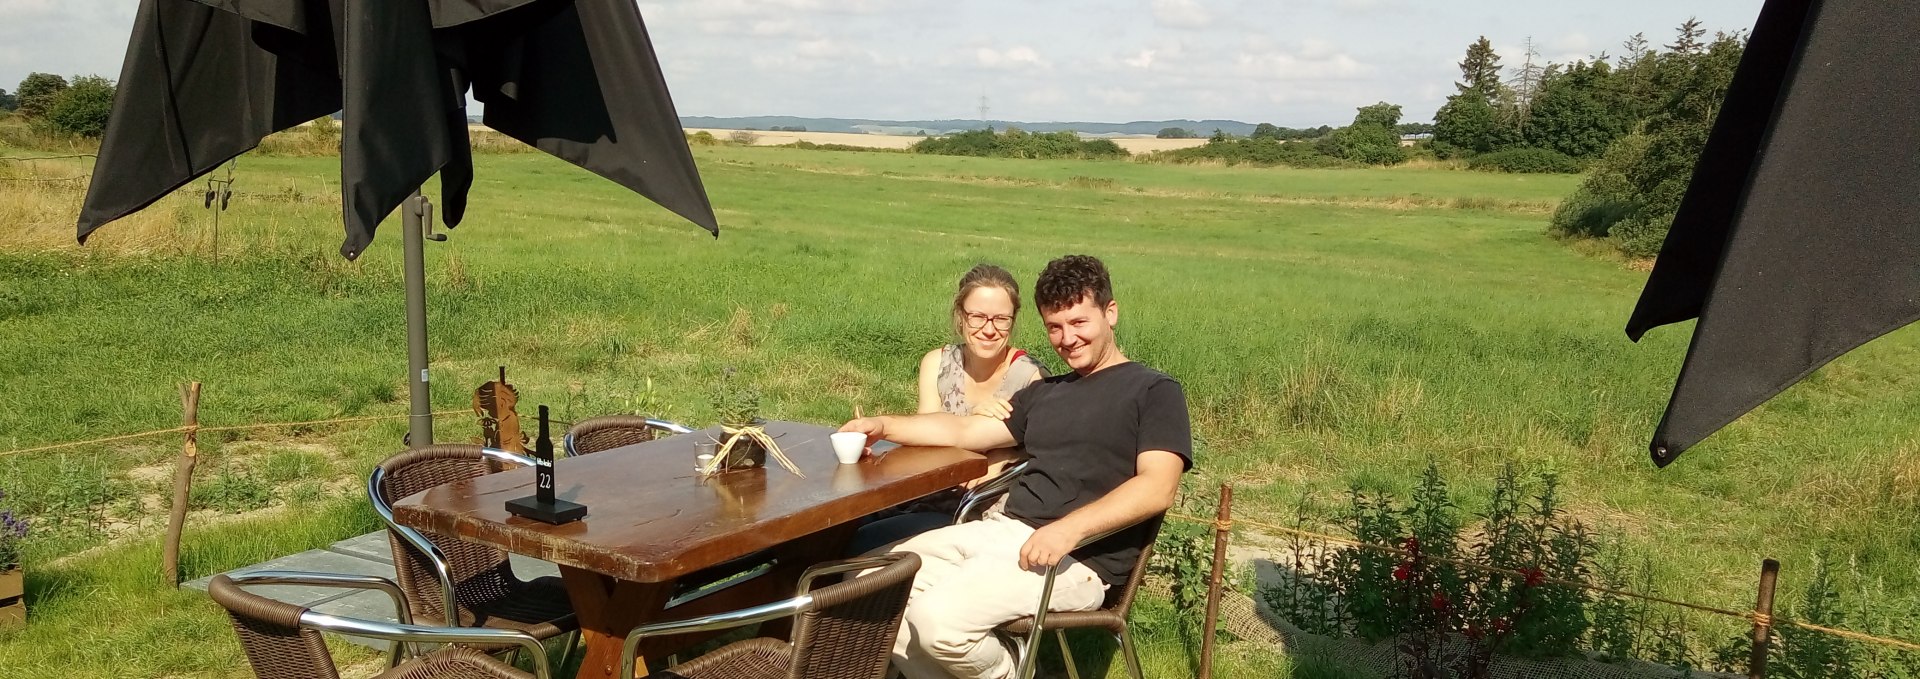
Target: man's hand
[
  {"x": 998, "y": 409},
  {"x": 1047, "y": 546},
  {"x": 871, "y": 426}
]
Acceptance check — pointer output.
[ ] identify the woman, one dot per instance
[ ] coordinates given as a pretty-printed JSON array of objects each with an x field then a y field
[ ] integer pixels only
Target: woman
[
  {"x": 979, "y": 374},
  {"x": 976, "y": 376}
]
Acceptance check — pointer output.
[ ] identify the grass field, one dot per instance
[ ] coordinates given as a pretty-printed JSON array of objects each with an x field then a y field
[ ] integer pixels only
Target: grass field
[{"x": 1333, "y": 328}]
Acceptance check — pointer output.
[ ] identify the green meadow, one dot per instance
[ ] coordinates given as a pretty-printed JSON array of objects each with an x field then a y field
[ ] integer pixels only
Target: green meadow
[{"x": 1334, "y": 329}]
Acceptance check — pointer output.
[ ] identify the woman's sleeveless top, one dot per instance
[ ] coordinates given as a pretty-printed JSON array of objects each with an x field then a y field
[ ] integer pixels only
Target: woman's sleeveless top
[{"x": 953, "y": 396}]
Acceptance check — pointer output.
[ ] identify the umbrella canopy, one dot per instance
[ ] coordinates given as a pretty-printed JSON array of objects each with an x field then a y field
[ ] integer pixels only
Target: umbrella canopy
[
  {"x": 205, "y": 81},
  {"x": 1799, "y": 237}
]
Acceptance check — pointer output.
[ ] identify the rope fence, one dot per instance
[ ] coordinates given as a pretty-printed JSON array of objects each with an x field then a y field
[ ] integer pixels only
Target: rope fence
[
  {"x": 235, "y": 427},
  {"x": 1753, "y": 617}
]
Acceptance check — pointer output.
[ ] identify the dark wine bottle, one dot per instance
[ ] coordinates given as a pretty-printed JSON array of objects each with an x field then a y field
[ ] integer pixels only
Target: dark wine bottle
[{"x": 543, "y": 452}]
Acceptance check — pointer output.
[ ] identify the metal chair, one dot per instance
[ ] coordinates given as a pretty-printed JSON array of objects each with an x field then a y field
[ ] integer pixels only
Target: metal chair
[
  {"x": 985, "y": 492},
  {"x": 1025, "y": 632},
  {"x": 840, "y": 631},
  {"x": 282, "y": 640},
  {"x": 475, "y": 584},
  {"x": 613, "y": 431}
]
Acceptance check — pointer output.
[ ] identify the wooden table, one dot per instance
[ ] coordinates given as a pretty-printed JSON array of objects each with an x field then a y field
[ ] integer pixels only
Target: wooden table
[{"x": 652, "y": 519}]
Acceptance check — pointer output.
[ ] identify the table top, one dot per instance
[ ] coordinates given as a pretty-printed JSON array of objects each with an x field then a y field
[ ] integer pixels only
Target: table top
[{"x": 652, "y": 518}]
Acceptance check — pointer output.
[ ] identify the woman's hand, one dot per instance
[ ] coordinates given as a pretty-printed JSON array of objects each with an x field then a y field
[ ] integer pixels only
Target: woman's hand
[{"x": 998, "y": 409}]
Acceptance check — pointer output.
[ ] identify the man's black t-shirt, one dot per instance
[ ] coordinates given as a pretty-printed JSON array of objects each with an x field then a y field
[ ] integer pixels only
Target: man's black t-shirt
[{"x": 1085, "y": 433}]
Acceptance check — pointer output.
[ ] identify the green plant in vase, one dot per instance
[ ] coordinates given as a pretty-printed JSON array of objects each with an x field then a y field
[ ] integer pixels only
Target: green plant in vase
[{"x": 744, "y": 441}]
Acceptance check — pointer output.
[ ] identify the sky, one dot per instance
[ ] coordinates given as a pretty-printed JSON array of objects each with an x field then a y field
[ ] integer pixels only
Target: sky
[{"x": 1296, "y": 63}]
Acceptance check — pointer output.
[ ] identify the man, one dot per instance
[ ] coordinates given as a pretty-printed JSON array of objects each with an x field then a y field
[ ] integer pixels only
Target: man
[{"x": 1109, "y": 442}]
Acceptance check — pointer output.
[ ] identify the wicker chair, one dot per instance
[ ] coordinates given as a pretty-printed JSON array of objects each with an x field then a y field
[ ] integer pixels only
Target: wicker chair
[
  {"x": 613, "y": 431},
  {"x": 840, "y": 631},
  {"x": 452, "y": 582},
  {"x": 282, "y": 640},
  {"x": 1025, "y": 632}
]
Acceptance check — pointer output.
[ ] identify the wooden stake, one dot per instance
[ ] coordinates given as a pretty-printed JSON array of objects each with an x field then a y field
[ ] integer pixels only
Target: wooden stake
[
  {"x": 1763, "y": 620},
  {"x": 182, "y": 481},
  {"x": 1222, "y": 526}
]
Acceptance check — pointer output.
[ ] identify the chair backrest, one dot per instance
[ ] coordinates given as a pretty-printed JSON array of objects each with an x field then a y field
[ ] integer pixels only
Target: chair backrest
[
  {"x": 277, "y": 647},
  {"x": 608, "y": 432},
  {"x": 481, "y": 573},
  {"x": 848, "y": 632}
]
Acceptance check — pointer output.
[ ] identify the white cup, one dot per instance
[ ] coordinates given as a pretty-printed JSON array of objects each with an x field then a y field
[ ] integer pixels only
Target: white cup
[{"x": 848, "y": 445}]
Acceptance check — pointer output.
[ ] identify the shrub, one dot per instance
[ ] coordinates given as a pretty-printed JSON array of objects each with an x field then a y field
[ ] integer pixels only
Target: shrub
[
  {"x": 1263, "y": 151},
  {"x": 1525, "y": 160},
  {"x": 37, "y": 92},
  {"x": 743, "y": 137},
  {"x": 82, "y": 108},
  {"x": 702, "y": 138},
  {"x": 1015, "y": 143},
  {"x": 1606, "y": 198}
]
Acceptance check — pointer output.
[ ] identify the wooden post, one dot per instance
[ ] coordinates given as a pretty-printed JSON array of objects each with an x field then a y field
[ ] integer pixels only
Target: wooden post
[
  {"x": 1222, "y": 525},
  {"x": 182, "y": 481},
  {"x": 1763, "y": 620}
]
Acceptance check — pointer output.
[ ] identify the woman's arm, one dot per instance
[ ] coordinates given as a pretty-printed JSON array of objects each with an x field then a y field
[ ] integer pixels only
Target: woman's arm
[{"x": 930, "y": 382}]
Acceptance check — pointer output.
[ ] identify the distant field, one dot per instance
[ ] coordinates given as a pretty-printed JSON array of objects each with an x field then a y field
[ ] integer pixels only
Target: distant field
[
  {"x": 890, "y": 141},
  {"x": 1334, "y": 329}
]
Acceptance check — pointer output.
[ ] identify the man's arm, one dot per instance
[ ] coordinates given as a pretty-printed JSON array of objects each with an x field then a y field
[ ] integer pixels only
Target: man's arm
[
  {"x": 935, "y": 429},
  {"x": 1155, "y": 481}
]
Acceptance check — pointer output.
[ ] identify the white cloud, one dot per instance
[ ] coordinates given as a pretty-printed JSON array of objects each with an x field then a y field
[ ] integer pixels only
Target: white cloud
[
  {"x": 1115, "y": 96},
  {"x": 1181, "y": 14},
  {"x": 1142, "y": 60},
  {"x": 1020, "y": 56},
  {"x": 1281, "y": 65}
]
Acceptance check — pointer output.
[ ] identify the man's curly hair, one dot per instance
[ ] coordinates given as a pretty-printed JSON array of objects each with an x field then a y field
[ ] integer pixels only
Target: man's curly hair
[{"x": 1068, "y": 280}]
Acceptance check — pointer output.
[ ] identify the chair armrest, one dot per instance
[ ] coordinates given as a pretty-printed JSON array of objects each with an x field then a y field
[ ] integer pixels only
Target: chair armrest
[
  {"x": 858, "y": 563},
  {"x": 669, "y": 426},
  {"x": 989, "y": 489},
  {"x": 339, "y": 580},
  {"x": 729, "y": 619},
  {"x": 417, "y": 634}
]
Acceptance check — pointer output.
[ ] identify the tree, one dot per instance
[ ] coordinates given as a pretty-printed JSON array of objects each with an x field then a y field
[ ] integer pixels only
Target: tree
[
  {"x": 1573, "y": 113},
  {"x": 1371, "y": 138},
  {"x": 82, "y": 109},
  {"x": 1480, "y": 70},
  {"x": 1266, "y": 131},
  {"x": 1467, "y": 124},
  {"x": 36, "y": 93},
  {"x": 1175, "y": 133},
  {"x": 1382, "y": 115},
  {"x": 1687, "y": 41},
  {"x": 7, "y": 102},
  {"x": 1219, "y": 135},
  {"x": 1523, "y": 87}
]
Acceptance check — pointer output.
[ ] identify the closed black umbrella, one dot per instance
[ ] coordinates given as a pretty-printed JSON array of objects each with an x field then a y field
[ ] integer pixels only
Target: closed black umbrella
[
  {"x": 205, "y": 81},
  {"x": 1799, "y": 237}
]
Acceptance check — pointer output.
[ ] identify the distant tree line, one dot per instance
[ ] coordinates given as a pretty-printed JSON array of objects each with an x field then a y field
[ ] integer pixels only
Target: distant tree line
[
  {"x": 51, "y": 103},
  {"x": 1373, "y": 138},
  {"x": 1017, "y": 143}
]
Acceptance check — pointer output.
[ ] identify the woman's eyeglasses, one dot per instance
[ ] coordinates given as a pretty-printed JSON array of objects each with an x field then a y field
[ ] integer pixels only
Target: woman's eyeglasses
[{"x": 978, "y": 321}]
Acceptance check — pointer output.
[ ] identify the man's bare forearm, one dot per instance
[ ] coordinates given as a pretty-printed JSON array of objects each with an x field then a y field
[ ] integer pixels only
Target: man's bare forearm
[
  {"x": 945, "y": 429},
  {"x": 1138, "y": 498}
]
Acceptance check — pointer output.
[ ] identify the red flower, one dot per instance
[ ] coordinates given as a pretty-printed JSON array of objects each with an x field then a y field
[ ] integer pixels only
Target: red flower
[
  {"x": 1501, "y": 626},
  {"x": 1411, "y": 545},
  {"x": 1402, "y": 572},
  {"x": 1534, "y": 576},
  {"x": 1472, "y": 632},
  {"x": 1440, "y": 602}
]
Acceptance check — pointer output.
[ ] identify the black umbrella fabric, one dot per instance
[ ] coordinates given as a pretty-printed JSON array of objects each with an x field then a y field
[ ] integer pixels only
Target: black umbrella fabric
[
  {"x": 1799, "y": 237},
  {"x": 575, "y": 78}
]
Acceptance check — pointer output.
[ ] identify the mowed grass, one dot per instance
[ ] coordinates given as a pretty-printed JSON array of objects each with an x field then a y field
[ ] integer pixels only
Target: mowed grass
[{"x": 1333, "y": 329}]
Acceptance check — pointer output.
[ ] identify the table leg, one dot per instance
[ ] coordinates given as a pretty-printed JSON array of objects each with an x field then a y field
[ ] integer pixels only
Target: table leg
[
  {"x": 795, "y": 558},
  {"x": 607, "y": 609}
]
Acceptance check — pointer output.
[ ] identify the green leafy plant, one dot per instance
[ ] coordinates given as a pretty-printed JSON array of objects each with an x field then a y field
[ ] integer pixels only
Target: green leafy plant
[{"x": 735, "y": 402}]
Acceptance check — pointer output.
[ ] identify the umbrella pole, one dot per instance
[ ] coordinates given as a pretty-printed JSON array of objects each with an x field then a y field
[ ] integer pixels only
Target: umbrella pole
[{"x": 414, "y": 214}]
